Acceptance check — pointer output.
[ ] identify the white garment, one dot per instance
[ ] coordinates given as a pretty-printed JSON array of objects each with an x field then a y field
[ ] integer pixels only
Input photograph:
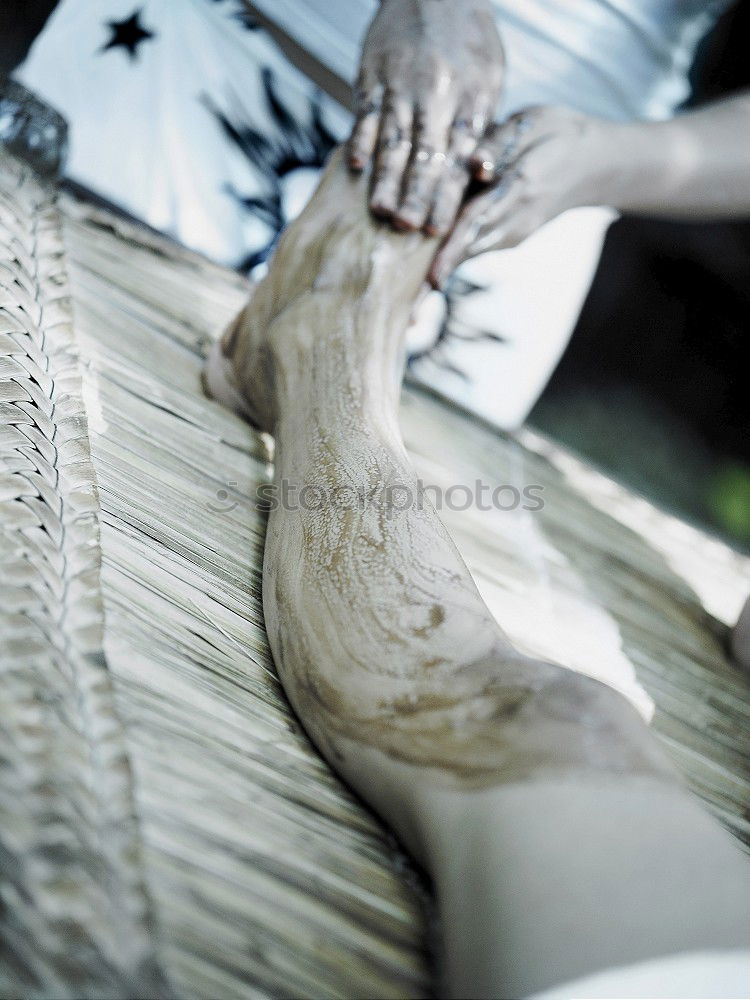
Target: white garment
[
  {"x": 141, "y": 131},
  {"x": 617, "y": 58},
  {"x": 698, "y": 975},
  {"x": 141, "y": 137}
]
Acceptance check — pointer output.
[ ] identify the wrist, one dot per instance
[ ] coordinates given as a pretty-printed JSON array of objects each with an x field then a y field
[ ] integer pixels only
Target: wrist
[
  {"x": 635, "y": 179},
  {"x": 614, "y": 164}
]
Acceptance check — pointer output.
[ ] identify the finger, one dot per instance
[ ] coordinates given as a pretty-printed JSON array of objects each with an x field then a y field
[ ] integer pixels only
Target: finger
[
  {"x": 365, "y": 130},
  {"x": 476, "y": 121},
  {"x": 450, "y": 255},
  {"x": 502, "y": 145},
  {"x": 478, "y": 117},
  {"x": 483, "y": 161},
  {"x": 505, "y": 225},
  {"x": 391, "y": 156},
  {"x": 428, "y": 160},
  {"x": 508, "y": 231},
  {"x": 455, "y": 177},
  {"x": 479, "y": 219},
  {"x": 449, "y": 193}
]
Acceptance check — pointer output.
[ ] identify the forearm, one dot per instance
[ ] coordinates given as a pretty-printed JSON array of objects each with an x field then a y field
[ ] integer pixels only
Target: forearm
[
  {"x": 695, "y": 166},
  {"x": 545, "y": 160}
]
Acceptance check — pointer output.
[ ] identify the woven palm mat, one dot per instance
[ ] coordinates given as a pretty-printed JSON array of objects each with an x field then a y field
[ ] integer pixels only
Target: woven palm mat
[{"x": 166, "y": 826}]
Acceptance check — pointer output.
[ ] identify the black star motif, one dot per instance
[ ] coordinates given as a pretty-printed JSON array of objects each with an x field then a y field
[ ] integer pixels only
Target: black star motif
[{"x": 128, "y": 34}]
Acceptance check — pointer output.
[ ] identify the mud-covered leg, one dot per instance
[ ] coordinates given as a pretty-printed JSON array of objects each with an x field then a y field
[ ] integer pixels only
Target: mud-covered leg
[{"x": 557, "y": 836}]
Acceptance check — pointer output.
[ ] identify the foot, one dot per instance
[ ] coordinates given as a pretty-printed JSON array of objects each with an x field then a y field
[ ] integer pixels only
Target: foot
[
  {"x": 333, "y": 260},
  {"x": 219, "y": 379}
]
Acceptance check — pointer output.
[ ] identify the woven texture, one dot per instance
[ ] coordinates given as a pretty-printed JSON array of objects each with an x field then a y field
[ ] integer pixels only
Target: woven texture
[
  {"x": 166, "y": 825},
  {"x": 72, "y": 888}
]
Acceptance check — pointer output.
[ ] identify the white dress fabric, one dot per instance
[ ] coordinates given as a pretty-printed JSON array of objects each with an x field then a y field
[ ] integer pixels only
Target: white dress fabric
[
  {"x": 187, "y": 115},
  {"x": 697, "y": 975}
]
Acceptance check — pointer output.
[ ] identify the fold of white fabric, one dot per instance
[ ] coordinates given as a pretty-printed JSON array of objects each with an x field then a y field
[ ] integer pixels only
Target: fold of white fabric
[{"x": 699, "y": 975}]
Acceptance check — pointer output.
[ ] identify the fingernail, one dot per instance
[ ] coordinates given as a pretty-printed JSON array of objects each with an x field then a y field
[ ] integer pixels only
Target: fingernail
[
  {"x": 380, "y": 210},
  {"x": 485, "y": 171},
  {"x": 436, "y": 228},
  {"x": 383, "y": 200},
  {"x": 404, "y": 224}
]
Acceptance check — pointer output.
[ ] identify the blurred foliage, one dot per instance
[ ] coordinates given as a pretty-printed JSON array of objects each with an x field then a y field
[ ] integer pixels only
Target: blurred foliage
[{"x": 729, "y": 500}]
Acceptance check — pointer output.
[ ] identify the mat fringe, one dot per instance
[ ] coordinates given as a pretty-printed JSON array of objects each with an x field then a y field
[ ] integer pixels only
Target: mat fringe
[{"x": 75, "y": 905}]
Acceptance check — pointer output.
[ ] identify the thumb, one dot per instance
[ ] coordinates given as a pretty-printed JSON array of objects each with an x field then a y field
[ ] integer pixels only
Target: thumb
[{"x": 454, "y": 250}]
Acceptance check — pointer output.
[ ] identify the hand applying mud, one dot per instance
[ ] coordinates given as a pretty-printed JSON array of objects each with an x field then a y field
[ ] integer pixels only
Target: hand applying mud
[
  {"x": 545, "y": 160},
  {"x": 536, "y": 164},
  {"x": 429, "y": 82}
]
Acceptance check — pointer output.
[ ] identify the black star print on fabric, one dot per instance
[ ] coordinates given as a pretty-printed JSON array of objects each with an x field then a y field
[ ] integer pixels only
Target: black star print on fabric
[{"x": 128, "y": 34}]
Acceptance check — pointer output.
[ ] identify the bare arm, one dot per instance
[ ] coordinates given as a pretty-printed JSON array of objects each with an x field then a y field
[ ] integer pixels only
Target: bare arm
[
  {"x": 546, "y": 160},
  {"x": 696, "y": 166}
]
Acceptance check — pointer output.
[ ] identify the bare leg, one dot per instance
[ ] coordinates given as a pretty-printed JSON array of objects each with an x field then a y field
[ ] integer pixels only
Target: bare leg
[{"x": 557, "y": 837}]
